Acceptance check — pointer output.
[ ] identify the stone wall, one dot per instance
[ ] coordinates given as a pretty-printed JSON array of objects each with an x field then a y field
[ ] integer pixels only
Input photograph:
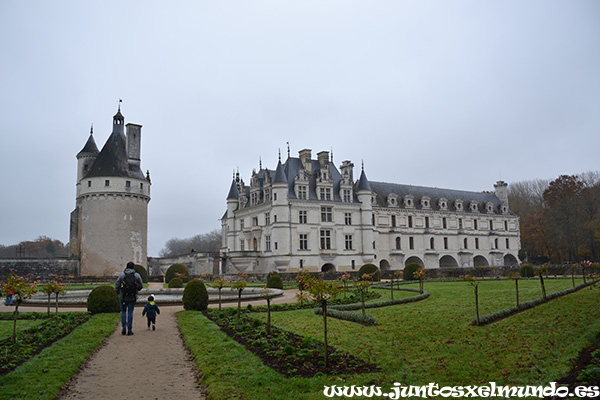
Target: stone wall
[{"x": 40, "y": 268}]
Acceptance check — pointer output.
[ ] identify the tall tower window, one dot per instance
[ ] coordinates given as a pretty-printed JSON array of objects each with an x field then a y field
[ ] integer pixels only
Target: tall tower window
[
  {"x": 348, "y": 242},
  {"x": 348, "y": 218},
  {"x": 326, "y": 214},
  {"x": 303, "y": 241},
  {"x": 107, "y": 183},
  {"x": 127, "y": 184},
  {"x": 325, "y": 239},
  {"x": 302, "y": 216}
]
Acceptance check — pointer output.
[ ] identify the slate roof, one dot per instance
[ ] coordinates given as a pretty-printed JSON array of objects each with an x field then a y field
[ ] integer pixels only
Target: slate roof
[
  {"x": 90, "y": 147},
  {"x": 382, "y": 190},
  {"x": 112, "y": 159}
]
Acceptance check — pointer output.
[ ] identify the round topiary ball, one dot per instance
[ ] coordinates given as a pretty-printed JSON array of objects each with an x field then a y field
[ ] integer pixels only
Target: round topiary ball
[
  {"x": 195, "y": 296},
  {"x": 274, "y": 280},
  {"x": 409, "y": 272},
  {"x": 103, "y": 299},
  {"x": 370, "y": 269},
  {"x": 527, "y": 271},
  {"x": 143, "y": 273},
  {"x": 175, "y": 283},
  {"x": 177, "y": 269}
]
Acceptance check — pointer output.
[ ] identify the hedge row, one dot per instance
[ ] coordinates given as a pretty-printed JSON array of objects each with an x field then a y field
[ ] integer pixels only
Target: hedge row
[
  {"x": 526, "y": 305},
  {"x": 343, "y": 311},
  {"x": 358, "y": 317}
]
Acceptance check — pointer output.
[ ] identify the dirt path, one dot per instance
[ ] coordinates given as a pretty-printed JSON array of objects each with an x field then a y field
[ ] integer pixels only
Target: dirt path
[{"x": 150, "y": 364}]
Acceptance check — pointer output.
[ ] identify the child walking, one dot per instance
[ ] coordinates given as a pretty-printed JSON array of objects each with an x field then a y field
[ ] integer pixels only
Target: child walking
[{"x": 150, "y": 311}]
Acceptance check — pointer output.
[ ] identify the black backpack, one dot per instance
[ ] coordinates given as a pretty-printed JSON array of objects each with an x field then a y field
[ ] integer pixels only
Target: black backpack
[{"x": 129, "y": 287}]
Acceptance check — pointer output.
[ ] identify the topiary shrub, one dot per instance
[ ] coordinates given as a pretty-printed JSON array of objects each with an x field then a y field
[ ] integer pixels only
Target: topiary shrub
[
  {"x": 369, "y": 269},
  {"x": 195, "y": 296},
  {"x": 177, "y": 269},
  {"x": 103, "y": 299},
  {"x": 409, "y": 272},
  {"x": 175, "y": 283},
  {"x": 143, "y": 273},
  {"x": 527, "y": 271},
  {"x": 274, "y": 280}
]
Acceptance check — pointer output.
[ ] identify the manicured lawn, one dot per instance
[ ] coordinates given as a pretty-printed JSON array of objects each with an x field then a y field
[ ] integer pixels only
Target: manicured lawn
[
  {"x": 44, "y": 375},
  {"x": 6, "y": 326},
  {"x": 416, "y": 343}
]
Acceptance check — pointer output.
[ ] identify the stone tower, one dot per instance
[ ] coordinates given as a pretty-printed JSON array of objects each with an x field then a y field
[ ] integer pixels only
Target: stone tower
[{"x": 109, "y": 225}]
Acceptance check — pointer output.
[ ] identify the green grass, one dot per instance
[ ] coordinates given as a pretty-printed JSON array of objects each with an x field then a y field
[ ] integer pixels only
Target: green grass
[
  {"x": 43, "y": 376},
  {"x": 416, "y": 343},
  {"x": 6, "y": 326}
]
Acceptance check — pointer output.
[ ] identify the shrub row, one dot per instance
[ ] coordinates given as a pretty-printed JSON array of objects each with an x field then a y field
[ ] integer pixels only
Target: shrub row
[
  {"x": 383, "y": 303},
  {"x": 358, "y": 317},
  {"x": 526, "y": 305}
]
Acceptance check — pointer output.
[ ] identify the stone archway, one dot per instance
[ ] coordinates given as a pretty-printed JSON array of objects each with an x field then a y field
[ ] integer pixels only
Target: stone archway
[
  {"x": 414, "y": 260},
  {"x": 384, "y": 265},
  {"x": 329, "y": 267},
  {"x": 480, "y": 261},
  {"x": 448, "y": 262},
  {"x": 510, "y": 261}
]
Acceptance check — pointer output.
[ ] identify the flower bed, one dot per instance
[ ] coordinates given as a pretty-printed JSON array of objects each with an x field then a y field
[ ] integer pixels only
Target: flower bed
[{"x": 287, "y": 353}]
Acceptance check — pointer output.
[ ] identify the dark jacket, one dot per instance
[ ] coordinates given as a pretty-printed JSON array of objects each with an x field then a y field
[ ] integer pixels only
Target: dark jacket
[
  {"x": 151, "y": 310},
  {"x": 119, "y": 281}
]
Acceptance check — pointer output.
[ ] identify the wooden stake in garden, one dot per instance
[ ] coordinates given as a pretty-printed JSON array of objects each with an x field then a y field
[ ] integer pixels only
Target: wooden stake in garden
[
  {"x": 21, "y": 288},
  {"x": 540, "y": 272},
  {"x": 473, "y": 282},
  {"x": 516, "y": 276},
  {"x": 321, "y": 291}
]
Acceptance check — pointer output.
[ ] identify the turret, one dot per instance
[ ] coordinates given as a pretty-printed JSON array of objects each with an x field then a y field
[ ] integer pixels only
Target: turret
[{"x": 87, "y": 156}]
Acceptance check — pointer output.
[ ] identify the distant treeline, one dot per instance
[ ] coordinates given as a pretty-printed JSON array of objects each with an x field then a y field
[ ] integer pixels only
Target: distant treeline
[
  {"x": 203, "y": 243},
  {"x": 560, "y": 219},
  {"x": 42, "y": 247}
]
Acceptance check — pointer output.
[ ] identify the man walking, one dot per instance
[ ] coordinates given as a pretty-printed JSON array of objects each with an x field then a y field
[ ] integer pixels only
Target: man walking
[{"x": 127, "y": 286}]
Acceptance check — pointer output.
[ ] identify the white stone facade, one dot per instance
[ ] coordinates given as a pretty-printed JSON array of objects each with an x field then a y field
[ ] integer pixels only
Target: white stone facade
[
  {"x": 306, "y": 215},
  {"x": 109, "y": 226}
]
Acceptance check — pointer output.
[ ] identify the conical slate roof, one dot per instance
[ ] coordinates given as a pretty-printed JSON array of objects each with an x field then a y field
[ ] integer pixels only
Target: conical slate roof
[
  {"x": 363, "y": 182},
  {"x": 90, "y": 147},
  {"x": 234, "y": 193}
]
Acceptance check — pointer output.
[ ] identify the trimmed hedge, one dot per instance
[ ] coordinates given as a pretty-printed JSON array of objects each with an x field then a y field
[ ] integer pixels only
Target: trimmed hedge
[
  {"x": 142, "y": 271},
  {"x": 175, "y": 283},
  {"x": 527, "y": 271},
  {"x": 195, "y": 296},
  {"x": 409, "y": 272},
  {"x": 103, "y": 299},
  {"x": 369, "y": 269},
  {"x": 177, "y": 268},
  {"x": 274, "y": 280}
]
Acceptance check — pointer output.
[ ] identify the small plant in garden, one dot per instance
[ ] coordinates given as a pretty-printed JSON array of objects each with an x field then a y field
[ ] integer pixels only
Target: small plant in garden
[
  {"x": 56, "y": 288},
  {"x": 302, "y": 278},
  {"x": 345, "y": 278},
  {"x": 175, "y": 283},
  {"x": 540, "y": 272},
  {"x": 177, "y": 268},
  {"x": 516, "y": 276},
  {"x": 370, "y": 269},
  {"x": 573, "y": 269},
  {"x": 363, "y": 285},
  {"x": 585, "y": 264},
  {"x": 420, "y": 275},
  {"x": 103, "y": 299},
  {"x": 322, "y": 291},
  {"x": 22, "y": 288},
  {"x": 397, "y": 275},
  {"x": 473, "y": 282},
  {"x": 240, "y": 284},
  {"x": 219, "y": 284}
]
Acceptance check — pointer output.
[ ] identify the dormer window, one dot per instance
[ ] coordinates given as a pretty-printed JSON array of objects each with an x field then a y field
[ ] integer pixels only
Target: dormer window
[
  {"x": 301, "y": 192},
  {"x": 409, "y": 201},
  {"x": 443, "y": 204},
  {"x": 474, "y": 207},
  {"x": 458, "y": 205},
  {"x": 392, "y": 200},
  {"x": 504, "y": 209},
  {"x": 425, "y": 202},
  {"x": 489, "y": 207}
]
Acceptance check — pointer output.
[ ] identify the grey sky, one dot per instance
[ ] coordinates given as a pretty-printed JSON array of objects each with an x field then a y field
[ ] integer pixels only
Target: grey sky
[{"x": 453, "y": 94}]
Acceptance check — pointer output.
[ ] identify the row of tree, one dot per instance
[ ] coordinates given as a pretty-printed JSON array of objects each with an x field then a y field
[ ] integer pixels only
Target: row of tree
[
  {"x": 203, "y": 243},
  {"x": 560, "y": 219}
]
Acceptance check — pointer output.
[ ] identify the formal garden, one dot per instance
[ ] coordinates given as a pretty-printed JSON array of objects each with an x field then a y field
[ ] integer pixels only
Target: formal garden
[{"x": 523, "y": 329}]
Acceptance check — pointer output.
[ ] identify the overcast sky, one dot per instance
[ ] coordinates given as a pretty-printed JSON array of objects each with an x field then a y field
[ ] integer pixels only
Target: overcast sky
[{"x": 452, "y": 94}]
